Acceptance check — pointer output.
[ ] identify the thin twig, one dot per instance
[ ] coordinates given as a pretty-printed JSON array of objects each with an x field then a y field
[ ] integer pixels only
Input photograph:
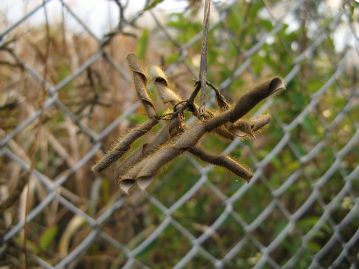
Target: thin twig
[{"x": 204, "y": 51}]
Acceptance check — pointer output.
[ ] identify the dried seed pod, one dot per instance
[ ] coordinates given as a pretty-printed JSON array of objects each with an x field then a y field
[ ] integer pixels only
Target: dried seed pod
[
  {"x": 189, "y": 138},
  {"x": 247, "y": 102},
  {"x": 166, "y": 133},
  {"x": 253, "y": 97},
  {"x": 140, "y": 81},
  {"x": 128, "y": 181},
  {"x": 260, "y": 122},
  {"x": 242, "y": 128},
  {"x": 124, "y": 145},
  {"x": 153, "y": 164},
  {"x": 160, "y": 80}
]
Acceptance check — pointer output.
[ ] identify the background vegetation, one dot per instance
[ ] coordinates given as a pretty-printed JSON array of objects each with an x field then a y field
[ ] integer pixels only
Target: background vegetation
[{"x": 303, "y": 48}]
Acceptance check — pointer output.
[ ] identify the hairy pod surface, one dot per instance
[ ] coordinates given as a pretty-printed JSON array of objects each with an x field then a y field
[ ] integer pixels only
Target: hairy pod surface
[
  {"x": 140, "y": 81},
  {"x": 124, "y": 145}
]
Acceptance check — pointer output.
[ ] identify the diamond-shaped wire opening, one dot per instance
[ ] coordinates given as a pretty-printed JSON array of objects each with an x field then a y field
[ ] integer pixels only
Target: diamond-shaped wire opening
[
  {"x": 349, "y": 161},
  {"x": 320, "y": 238},
  {"x": 167, "y": 249},
  {"x": 344, "y": 131},
  {"x": 224, "y": 238},
  {"x": 200, "y": 211},
  {"x": 246, "y": 258},
  {"x": 280, "y": 167},
  {"x": 175, "y": 180},
  {"x": 310, "y": 131},
  {"x": 287, "y": 248},
  {"x": 296, "y": 194},
  {"x": 275, "y": 53},
  {"x": 318, "y": 164},
  {"x": 199, "y": 261},
  {"x": 253, "y": 202},
  {"x": 273, "y": 224},
  {"x": 330, "y": 256},
  {"x": 350, "y": 229},
  {"x": 272, "y": 136},
  {"x": 305, "y": 258},
  {"x": 332, "y": 103},
  {"x": 56, "y": 144},
  {"x": 100, "y": 193},
  {"x": 134, "y": 222},
  {"x": 98, "y": 96},
  {"x": 346, "y": 262},
  {"x": 309, "y": 219},
  {"x": 101, "y": 254},
  {"x": 332, "y": 187},
  {"x": 10, "y": 173},
  {"x": 353, "y": 255},
  {"x": 21, "y": 96},
  {"x": 227, "y": 182},
  {"x": 291, "y": 101},
  {"x": 55, "y": 232},
  {"x": 14, "y": 184}
]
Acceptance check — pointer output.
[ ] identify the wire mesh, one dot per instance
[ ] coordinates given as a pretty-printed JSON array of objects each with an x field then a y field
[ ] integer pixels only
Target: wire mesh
[{"x": 300, "y": 209}]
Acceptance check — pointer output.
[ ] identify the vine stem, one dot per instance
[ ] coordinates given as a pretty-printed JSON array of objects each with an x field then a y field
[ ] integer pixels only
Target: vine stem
[{"x": 204, "y": 52}]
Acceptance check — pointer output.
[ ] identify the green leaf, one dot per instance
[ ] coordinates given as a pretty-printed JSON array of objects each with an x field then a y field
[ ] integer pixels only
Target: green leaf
[
  {"x": 153, "y": 3},
  {"x": 313, "y": 246},
  {"x": 142, "y": 44},
  {"x": 48, "y": 237}
]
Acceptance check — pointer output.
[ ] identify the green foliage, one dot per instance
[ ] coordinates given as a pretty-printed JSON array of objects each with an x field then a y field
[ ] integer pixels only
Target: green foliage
[
  {"x": 142, "y": 44},
  {"x": 48, "y": 237},
  {"x": 152, "y": 4}
]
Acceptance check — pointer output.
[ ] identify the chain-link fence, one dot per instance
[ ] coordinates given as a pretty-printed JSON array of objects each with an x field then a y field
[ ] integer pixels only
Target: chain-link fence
[{"x": 66, "y": 95}]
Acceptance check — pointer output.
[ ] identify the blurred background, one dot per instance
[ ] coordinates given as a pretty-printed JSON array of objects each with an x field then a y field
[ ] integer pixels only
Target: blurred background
[{"x": 66, "y": 96}]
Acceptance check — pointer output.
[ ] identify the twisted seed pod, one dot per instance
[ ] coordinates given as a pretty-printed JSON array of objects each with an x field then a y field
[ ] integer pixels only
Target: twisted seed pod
[
  {"x": 148, "y": 168},
  {"x": 140, "y": 81},
  {"x": 160, "y": 80},
  {"x": 127, "y": 180}
]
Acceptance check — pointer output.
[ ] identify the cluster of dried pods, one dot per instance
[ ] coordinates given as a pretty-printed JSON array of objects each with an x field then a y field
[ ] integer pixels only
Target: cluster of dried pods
[{"x": 140, "y": 167}]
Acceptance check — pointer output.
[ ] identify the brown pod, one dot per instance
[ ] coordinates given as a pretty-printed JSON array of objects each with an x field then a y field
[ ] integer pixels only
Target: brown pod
[
  {"x": 154, "y": 163},
  {"x": 160, "y": 80},
  {"x": 169, "y": 130},
  {"x": 124, "y": 145},
  {"x": 140, "y": 81},
  {"x": 246, "y": 103},
  {"x": 128, "y": 181},
  {"x": 253, "y": 97}
]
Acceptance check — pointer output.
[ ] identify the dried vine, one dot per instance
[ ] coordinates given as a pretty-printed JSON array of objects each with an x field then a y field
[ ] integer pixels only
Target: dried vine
[{"x": 140, "y": 166}]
